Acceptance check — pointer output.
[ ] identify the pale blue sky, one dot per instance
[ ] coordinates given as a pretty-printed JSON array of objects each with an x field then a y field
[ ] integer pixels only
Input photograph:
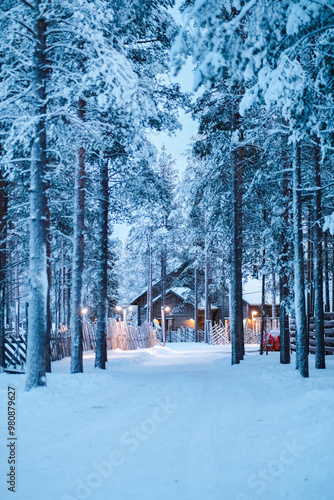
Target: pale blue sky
[{"x": 176, "y": 144}]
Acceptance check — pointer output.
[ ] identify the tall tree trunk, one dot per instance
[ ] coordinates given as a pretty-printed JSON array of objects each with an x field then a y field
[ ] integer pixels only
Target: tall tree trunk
[
  {"x": 284, "y": 321},
  {"x": 102, "y": 304},
  {"x": 163, "y": 277},
  {"x": 283, "y": 279},
  {"x": 63, "y": 280},
  {"x": 196, "y": 304},
  {"x": 318, "y": 271},
  {"x": 309, "y": 268},
  {"x": 17, "y": 286},
  {"x": 69, "y": 296},
  {"x": 9, "y": 281},
  {"x": 262, "y": 304},
  {"x": 78, "y": 254},
  {"x": 35, "y": 365},
  {"x": 3, "y": 237},
  {"x": 327, "y": 300},
  {"x": 300, "y": 309},
  {"x": 273, "y": 295},
  {"x": 332, "y": 273},
  {"x": 48, "y": 302},
  {"x": 207, "y": 305},
  {"x": 236, "y": 318},
  {"x": 150, "y": 283}
]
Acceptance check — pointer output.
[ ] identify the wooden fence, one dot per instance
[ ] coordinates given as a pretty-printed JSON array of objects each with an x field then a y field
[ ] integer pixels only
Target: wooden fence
[
  {"x": 128, "y": 337},
  {"x": 60, "y": 341},
  {"x": 15, "y": 351},
  {"x": 217, "y": 335},
  {"x": 120, "y": 335},
  {"x": 329, "y": 334}
]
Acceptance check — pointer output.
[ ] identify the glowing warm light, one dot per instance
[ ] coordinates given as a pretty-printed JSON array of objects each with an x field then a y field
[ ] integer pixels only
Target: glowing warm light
[
  {"x": 254, "y": 313},
  {"x": 84, "y": 310},
  {"x": 118, "y": 308},
  {"x": 167, "y": 309},
  {"x": 130, "y": 308},
  {"x": 192, "y": 320}
]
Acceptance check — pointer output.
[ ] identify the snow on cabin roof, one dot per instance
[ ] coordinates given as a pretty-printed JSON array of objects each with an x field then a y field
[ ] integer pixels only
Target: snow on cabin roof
[
  {"x": 180, "y": 291},
  {"x": 138, "y": 296}
]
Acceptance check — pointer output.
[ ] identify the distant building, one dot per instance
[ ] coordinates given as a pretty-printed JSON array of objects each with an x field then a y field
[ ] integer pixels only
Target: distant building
[{"x": 179, "y": 300}]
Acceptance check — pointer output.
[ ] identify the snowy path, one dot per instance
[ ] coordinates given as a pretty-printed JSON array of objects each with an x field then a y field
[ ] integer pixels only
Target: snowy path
[{"x": 175, "y": 423}]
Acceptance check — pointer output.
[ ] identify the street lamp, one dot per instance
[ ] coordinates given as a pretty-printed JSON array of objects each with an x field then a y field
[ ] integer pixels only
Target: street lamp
[
  {"x": 120, "y": 309},
  {"x": 254, "y": 313},
  {"x": 163, "y": 310},
  {"x": 84, "y": 312}
]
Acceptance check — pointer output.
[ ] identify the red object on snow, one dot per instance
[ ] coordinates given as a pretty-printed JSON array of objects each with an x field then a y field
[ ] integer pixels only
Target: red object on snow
[{"x": 272, "y": 340}]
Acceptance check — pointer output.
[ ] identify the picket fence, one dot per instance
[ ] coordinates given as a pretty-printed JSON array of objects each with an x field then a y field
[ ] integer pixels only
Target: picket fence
[
  {"x": 128, "y": 337},
  {"x": 217, "y": 335}
]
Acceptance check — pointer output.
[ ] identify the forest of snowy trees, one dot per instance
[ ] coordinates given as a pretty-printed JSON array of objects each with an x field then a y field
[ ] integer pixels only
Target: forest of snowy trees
[{"x": 84, "y": 84}]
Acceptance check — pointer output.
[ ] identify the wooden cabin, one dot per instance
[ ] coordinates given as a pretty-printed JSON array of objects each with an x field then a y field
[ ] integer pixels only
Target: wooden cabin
[
  {"x": 181, "y": 310},
  {"x": 179, "y": 300}
]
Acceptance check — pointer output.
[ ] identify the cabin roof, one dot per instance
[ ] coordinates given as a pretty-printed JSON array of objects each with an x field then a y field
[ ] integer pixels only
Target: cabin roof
[{"x": 181, "y": 292}]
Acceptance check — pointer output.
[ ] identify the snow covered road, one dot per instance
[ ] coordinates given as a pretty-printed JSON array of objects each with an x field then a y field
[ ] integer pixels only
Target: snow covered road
[{"x": 171, "y": 424}]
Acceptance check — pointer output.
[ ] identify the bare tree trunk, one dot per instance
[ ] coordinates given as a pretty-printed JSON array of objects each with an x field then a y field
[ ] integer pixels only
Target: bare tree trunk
[
  {"x": 284, "y": 321},
  {"x": 35, "y": 365},
  {"x": 207, "y": 310},
  {"x": 309, "y": 268},
  {"x": 262, "y": 305},
  {"x": 102, "y": 305},
  {"x": 78, "y": 255},
  {"x": 273, "y": 295},
  {"x": 236, "y": 313},
  {"x": 48, "y": 305},
  {"x": 3, "y": 237},
  {"x": 163, "y": 266},
  {"x": 69, "y": 294},
  {"x": 318, "y": 274},
  {"x": 149, "y": 285},
  {"x": 332, "y": 273},
  {"x": 300, "y": 309},
  {"x": 327, "y": 300},
  {"x": 196, "y": 304},
  {"x": 9, "y": 281},
  {"x": 283, "y": 279},
  {"x": 17, "y": 285},
  {"x": 63, "y": 281}
]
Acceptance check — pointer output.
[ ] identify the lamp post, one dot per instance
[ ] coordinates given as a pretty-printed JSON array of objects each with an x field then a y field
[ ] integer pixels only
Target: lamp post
[
  {"x": 84, "y": 312},
  {"x": 163, "y": 324},
  {"x": 119, "y": 309},
  {"x": 254, "y": 313}
]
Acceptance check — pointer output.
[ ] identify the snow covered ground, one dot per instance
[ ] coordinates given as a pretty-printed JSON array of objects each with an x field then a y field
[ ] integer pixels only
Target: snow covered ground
[{"x": 178, "y": 423}]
